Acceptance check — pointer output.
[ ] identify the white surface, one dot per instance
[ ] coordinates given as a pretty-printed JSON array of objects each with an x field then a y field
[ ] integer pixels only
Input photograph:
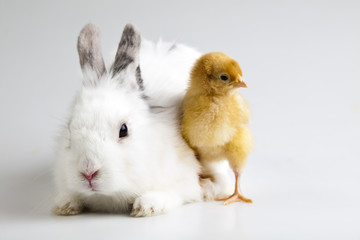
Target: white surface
[{"x": 301, "y": 61}]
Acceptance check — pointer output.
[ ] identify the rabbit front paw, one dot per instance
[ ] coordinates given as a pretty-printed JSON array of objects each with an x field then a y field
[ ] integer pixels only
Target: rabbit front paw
[
  {"x": 154, "y": 203},
  {"x": 69, "y": 208},
  {"x": 208, "y": 189}
]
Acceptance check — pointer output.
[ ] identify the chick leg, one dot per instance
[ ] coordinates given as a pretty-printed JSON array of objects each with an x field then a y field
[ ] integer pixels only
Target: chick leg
[
  {"x": 237, "y": 152},
  {"x": 237, "y": 195}
]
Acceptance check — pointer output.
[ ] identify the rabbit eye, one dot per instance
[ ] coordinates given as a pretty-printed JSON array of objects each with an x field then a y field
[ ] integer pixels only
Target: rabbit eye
[
  {"x": 123, "y": 131},
  {"x": 224, "y": 77}
]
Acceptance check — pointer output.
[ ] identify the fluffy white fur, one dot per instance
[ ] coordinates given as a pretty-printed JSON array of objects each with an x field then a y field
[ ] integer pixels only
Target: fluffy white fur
[
  {"x": 150, "y": 171},
  {"x": 168, "y": 64}
]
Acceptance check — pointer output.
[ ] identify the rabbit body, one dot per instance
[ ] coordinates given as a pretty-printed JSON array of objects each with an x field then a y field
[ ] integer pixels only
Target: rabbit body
[{"x": 148, "y": 171}]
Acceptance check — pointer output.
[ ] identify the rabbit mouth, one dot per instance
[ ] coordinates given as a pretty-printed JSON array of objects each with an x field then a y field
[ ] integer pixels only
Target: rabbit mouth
[
  {"x": 92, "y": 188},
  {"x": 89, "y": 181}
]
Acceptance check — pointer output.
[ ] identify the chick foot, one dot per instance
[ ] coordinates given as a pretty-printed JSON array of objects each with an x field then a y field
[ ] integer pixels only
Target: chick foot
[{"x": 236, "y": 197}]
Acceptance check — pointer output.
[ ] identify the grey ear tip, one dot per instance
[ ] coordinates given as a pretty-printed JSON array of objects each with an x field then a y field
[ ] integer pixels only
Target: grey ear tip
[
  {"x": 130, "y": 26},
  {"x": 89, "y": 49},
  {"x": 131, "y": 29},
  {"x": 89, "y": 34},
  {"x": 90, "y": 28},
  {"x": 91, "y": 25}
]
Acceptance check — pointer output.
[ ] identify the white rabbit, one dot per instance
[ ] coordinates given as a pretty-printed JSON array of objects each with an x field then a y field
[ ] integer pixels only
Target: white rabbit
[{"x": 121, "y": 149}]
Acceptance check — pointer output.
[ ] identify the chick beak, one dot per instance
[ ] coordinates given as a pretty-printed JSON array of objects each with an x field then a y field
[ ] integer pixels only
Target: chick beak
[{"x": 240, "y": 82}]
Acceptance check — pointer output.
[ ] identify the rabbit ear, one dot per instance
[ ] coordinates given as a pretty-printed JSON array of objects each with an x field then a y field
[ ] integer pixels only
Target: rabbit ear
[
  {"x": 89, "y": 49},
  {"x": 127, "y": 56}
]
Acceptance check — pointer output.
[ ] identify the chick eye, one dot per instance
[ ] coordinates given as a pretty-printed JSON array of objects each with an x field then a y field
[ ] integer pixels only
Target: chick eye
[
  {"x": 123, "y": 131},
  {"x": 224, "y": 77}
]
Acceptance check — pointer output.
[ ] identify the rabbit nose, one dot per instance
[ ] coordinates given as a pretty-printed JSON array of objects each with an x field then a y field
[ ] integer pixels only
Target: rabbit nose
[{"x": 90, "y": 176}]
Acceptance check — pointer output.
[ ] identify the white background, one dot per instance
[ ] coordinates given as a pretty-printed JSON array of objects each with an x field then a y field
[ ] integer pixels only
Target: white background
[{"x": 301, "y": 61}]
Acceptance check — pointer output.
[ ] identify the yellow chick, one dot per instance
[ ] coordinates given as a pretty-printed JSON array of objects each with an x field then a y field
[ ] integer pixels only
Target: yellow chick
[{"x": 215, "y": 116}]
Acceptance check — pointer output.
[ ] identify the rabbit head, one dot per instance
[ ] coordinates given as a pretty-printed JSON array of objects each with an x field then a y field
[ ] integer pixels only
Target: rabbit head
[{"x": 109, "y": 120}]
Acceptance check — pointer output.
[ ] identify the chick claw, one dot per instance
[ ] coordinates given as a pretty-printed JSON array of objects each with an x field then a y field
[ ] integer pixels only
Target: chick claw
[{"x": 236, "y": 197}]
